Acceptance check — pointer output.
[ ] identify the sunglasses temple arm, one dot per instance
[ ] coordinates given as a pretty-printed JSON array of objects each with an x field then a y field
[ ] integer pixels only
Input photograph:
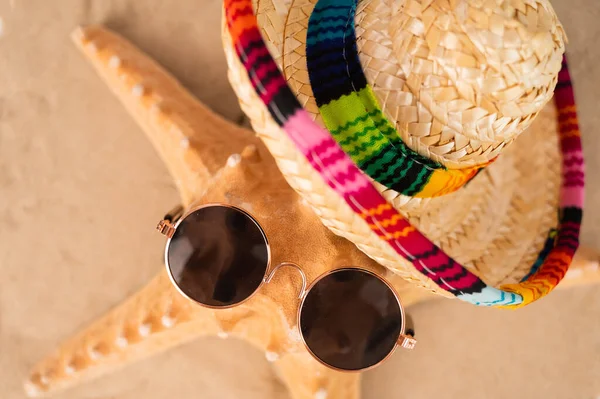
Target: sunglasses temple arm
[
  {"x": 166, "y": 226},
  {"x": 174, "y": 214},
  {"x": 270, "y": 276}
]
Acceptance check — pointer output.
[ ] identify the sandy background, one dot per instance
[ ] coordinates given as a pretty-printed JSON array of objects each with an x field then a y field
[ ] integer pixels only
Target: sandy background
[{"x": 81, "y": 189}]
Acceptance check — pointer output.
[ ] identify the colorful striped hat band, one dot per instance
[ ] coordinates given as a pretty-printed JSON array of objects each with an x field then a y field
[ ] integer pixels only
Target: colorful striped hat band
[
  {"x": 353, "y": 116},
  {"x": 342, "y": 174}
]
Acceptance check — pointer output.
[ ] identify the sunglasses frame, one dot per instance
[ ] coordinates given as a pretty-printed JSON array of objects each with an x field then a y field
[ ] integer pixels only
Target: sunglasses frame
[
  {"x": 403, "y": 340},
  {"x": 173, "y": 227},
  {"x": 168, "y": 228}
]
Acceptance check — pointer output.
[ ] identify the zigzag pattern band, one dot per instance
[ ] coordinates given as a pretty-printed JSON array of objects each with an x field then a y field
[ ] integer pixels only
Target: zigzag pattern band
[
  {"x": 353, "y": 116},
  {"x": 338, "y": 170}
]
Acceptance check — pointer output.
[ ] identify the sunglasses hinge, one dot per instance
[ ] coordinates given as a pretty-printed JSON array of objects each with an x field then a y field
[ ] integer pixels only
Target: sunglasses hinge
[
  {"x": 407, "y": 341},
  {"x": 166, "y": 228}
]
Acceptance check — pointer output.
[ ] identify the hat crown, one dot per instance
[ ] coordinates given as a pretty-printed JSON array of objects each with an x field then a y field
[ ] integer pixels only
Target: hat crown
[{"x": 460, "y": 79}]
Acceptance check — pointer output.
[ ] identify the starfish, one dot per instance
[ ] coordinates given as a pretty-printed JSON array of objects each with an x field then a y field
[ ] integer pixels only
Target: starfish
[{"x": 213, "y": 160}]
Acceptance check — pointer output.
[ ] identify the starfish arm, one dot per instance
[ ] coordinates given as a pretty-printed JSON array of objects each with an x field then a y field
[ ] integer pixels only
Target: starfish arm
[
  {"x": 187, "y": 135},
  {"x": 158, "y": 318},
  {"x": 152, "y": 320}
]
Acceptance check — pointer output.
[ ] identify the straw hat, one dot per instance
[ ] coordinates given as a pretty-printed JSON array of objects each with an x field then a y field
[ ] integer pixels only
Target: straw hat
[{"x": 459, "y": 80}]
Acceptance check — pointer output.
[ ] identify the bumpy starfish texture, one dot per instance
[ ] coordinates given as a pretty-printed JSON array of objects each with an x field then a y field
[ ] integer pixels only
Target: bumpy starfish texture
[{"x": 213, "y": 160}]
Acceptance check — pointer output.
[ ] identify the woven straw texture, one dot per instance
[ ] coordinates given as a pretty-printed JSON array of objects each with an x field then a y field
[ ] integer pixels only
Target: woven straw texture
[
  {"x": 496, "y": 226},
  {"x": 457, "y": 125},
  {"x": 457, "y": 94}
]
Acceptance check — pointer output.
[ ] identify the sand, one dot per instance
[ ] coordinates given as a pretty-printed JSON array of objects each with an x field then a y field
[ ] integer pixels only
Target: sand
[{"x": 81, "y": 190}]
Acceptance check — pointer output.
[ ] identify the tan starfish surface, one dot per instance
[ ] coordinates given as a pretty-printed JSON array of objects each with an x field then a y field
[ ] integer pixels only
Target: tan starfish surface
[{"x": 213, "y": 160}]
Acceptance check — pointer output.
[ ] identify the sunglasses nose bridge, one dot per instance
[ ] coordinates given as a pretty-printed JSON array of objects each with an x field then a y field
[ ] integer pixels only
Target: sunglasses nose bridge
[{"x": 270, "y": 276}]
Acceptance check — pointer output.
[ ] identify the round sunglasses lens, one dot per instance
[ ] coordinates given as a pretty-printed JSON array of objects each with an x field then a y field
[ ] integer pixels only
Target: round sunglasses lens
[
  {"x": 351, "y": 319},
  {"x": 218, "y": 256}
]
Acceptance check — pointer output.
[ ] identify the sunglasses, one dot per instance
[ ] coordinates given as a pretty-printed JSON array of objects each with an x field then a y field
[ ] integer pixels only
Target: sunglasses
[{"x": 218, "y": 256}]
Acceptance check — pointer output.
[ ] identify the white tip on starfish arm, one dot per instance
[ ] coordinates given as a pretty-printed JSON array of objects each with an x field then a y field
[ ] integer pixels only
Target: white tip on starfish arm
[
  {"x": 69, "y": 369},
  {"x": 271, "y": 356},
  {"x": 233, "y": 160},
  {"x": 92, "y": 47},
  {"x": 167, "y": 321},
  {"x": 114, "y": 62},
  {"x": 121, "y": 341},
  {"x": 138, "y": 90},
  {"x": 145, "y": 329},
  {"x": 32, "y": 389},
  {"x": 185, "y": 143},
  {"x": 295, "y": 334},
  {"x": 94, "y": 354}
]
